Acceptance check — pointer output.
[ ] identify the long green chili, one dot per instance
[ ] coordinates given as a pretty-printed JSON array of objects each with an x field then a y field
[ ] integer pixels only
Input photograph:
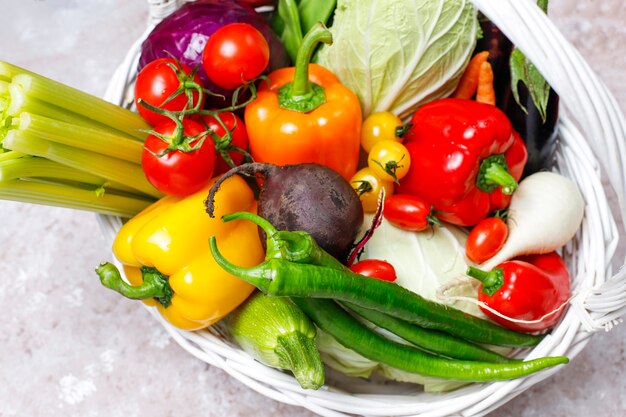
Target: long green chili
[
  {"x": 354, "y": 335},
  {"x": 289, "y": 279},
  {"x": 301, "y": 247},
  {"x": 432, "y": 341}
]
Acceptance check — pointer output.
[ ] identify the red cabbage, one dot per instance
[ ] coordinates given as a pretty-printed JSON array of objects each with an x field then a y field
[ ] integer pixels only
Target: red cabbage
[{"x": 185, "y": 32}]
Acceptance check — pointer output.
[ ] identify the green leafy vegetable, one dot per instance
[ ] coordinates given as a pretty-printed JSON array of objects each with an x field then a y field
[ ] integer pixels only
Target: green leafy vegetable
[{"x": 398, "y": 54}]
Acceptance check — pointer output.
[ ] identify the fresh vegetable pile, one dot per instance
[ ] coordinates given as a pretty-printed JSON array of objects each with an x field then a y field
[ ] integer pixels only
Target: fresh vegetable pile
[{"x": 368, "y": 208}]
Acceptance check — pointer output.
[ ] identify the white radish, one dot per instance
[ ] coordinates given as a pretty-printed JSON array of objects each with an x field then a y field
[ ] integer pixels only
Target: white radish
[{"x": 545, "y": 212}]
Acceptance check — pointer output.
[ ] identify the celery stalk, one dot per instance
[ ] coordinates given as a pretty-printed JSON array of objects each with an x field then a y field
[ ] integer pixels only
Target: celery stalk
[
  {"x": 79, "y": 102},
  {"x": 107, "y": 167},
  {"x": 80, "y": 137},
  {"x": 36, "y": 167},
  {"x": 18, "y": 102},
  {"x": 70, "y": 197},
  {"x": 8, "y": 155}
]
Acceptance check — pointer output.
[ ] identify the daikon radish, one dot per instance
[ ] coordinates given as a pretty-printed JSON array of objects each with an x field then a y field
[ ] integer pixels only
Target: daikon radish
[{"x": 545, "y": 212}]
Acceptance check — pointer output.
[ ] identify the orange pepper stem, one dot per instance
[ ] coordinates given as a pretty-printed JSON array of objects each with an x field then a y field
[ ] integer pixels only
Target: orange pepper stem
[
  {"x": 155, "y": 284},
  {"x": 302, "y": 95}
]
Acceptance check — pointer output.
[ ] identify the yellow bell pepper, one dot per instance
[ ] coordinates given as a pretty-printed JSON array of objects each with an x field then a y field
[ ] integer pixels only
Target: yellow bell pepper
[{"x": 166, "y": 257}]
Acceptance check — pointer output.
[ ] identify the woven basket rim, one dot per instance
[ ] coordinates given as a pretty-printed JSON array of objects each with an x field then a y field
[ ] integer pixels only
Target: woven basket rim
[{"x": 593, "y": 279}]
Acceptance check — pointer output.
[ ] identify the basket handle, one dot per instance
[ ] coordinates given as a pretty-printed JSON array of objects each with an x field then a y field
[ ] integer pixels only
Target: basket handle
[
  {"x": 159, "y": 9},
  {"x": 594, "y": 108}
]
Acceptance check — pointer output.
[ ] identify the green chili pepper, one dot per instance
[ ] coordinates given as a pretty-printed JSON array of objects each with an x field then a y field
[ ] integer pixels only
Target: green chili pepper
[
  {"x": 354, "y": 335},
  {"x": 301, "y": 247},
  {"x": 280, "y": 277},
  {"x": 432, "y": 341}
]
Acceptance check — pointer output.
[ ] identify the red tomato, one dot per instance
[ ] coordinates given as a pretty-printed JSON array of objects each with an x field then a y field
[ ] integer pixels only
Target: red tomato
[
  {"x": 409, "y": 212},
  {"x": 375, "y": 268},
  {"x": 486, "y": 239},
  {"x": 239, "y": 139},
  {"x": 177, "y": 172},
  {"x": 160, "y": 80},
  {"x": 235, "y": 54}
]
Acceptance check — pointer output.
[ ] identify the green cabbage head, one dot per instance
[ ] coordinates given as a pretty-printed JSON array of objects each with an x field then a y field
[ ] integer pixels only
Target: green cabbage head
[{"x": 399, "y": 54}]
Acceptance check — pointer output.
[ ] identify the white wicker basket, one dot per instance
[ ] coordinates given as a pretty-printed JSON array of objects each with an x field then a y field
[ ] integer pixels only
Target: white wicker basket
[{"x": 591, "y": 129}]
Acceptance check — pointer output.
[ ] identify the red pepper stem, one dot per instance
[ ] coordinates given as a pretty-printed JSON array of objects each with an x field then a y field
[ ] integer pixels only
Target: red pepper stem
[
  {"x": 155, "y": 284},
  {"x": 494, "y": 172},
  {"x": 303, "y": 95},
  {"x": 492, "y": 280}
]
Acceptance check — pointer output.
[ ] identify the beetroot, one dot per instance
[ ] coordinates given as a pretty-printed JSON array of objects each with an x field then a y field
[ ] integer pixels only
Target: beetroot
[{"x": 305, "y": 197}]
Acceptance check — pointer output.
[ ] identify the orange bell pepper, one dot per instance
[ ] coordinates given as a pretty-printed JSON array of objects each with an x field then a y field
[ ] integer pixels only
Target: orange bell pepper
[{"x": 304, "y": 114}]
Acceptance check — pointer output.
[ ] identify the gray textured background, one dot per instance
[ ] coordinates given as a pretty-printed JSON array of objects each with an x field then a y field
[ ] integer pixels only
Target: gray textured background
[{"x": 72, "y": 348}]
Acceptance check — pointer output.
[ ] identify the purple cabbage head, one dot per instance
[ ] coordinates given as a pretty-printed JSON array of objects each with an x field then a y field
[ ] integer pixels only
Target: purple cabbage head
[{"x": 184, "y": 33}]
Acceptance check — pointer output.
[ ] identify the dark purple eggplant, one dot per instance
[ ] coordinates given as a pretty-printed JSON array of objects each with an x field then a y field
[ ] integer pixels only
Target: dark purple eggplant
[{"x": 539, "y": 135}]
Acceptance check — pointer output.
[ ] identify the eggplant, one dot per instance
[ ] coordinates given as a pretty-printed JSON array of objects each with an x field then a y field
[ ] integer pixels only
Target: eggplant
[{"x": 539, "y": 135}]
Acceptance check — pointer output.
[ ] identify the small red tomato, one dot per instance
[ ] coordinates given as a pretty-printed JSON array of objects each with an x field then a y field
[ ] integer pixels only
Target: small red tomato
[
  {"x": 409, "y": 212},
  {"x": 486, "y": 239},
  {"x": 235, "y": 54},
  {"x": 162, "y": 79},
  {"x": 375, "y": 268},
  {"x": 178, "y": 172},
  {"x": 239, "y": 136}
]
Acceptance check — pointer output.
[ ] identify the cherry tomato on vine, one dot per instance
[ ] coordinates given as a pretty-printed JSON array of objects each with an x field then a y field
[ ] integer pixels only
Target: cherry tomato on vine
[
  {"x": 164, "y": 78},
  {"x": 486, "y": 239},
  {"x": 368, "y": 186},
  {"x": 235, "y": 54},
  {"x": 380, "y": 126},
  {"x": 409, "y": 212},
  {"x": 389, "y": 160},
  {"x": 375, "y": 268},
  {"x": 238, "y": 136},
  {"x": 178, "y": 172}
]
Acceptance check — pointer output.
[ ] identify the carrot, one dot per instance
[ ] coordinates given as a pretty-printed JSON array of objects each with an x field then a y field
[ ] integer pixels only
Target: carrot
[
  {"x": 485, "y": 92},
  {"x": 469, "y": 80}
]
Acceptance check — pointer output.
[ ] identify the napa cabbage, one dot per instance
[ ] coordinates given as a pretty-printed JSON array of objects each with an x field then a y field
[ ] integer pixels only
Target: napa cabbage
[{"x": 398, "y": 54}]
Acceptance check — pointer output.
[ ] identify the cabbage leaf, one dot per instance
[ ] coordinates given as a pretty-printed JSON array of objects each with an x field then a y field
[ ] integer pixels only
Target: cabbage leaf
[{"x": 399, "y": 54}]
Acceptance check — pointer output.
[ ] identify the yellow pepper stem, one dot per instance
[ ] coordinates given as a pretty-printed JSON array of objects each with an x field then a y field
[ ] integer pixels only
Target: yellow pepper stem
[{"x": 155, "y": 284}]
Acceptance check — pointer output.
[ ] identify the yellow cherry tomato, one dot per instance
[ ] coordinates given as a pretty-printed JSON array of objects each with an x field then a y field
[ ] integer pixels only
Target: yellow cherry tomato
[
  {"x": 378, "y": 127},
  {"x": 367, "y": 185},
  {"x": 389, "y": 160}
]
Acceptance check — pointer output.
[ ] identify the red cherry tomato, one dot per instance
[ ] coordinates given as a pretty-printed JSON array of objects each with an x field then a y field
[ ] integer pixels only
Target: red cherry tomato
[
  {"x": 486, "y": 239},
  {"x": 177, "y": 172},
  {"x": 160, "y": 80},
  {"x": 235, "y": 54},
  {"x": 239, "y": 136},
  {"x": 375, "y": 268},
  {"x": 409, "y": 212}
]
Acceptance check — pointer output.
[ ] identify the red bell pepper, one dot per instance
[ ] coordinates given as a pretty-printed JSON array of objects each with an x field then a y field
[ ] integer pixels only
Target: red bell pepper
[
  {"x": 526, "y": 288},
  {"x": 466, "y": 159}
]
